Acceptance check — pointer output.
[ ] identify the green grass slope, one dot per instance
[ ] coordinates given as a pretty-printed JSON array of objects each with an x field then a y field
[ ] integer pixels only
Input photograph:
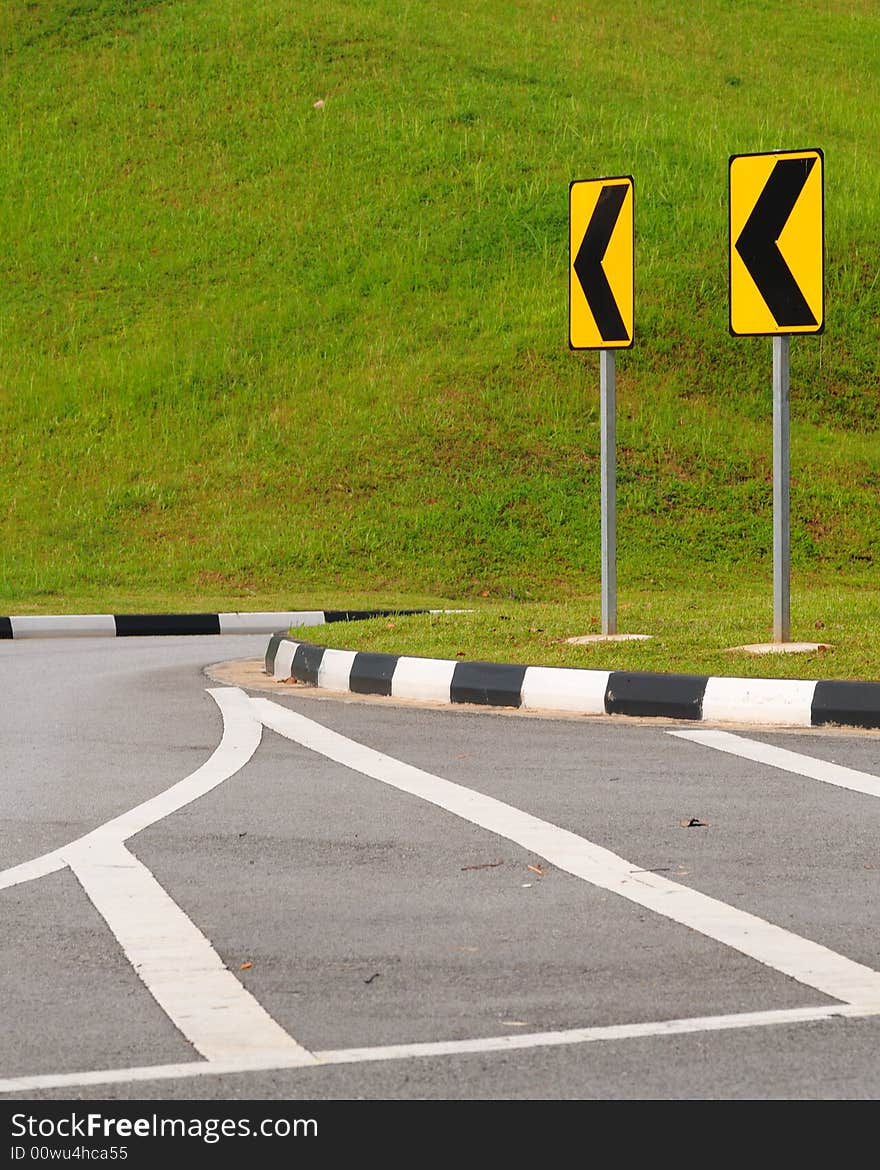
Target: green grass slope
[{"x": 283, "y": 299}]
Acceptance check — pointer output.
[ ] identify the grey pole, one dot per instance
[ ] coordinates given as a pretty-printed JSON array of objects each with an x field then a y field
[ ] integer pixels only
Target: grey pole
[
  {"x": 781, "y": 497},
  {"x": 608, "y": 440}
]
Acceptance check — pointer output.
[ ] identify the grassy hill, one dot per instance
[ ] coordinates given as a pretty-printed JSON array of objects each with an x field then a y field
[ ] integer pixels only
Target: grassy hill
[{"x": 283, "y": 309}]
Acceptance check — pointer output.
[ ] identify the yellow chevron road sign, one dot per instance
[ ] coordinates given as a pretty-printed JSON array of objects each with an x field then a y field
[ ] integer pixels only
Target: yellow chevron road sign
[
  {"x": 777, "y": 249},
  {"x": 601, "y": 263}
]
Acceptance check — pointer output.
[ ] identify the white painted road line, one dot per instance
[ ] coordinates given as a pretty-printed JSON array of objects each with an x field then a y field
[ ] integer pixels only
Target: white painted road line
[
  {"x": 658, "y": 1028},
  {"x": 179, "y": 967},
  {"x": 807, "y": 962},
  {"x": 440, "y": 1048},
  {"x": 787, "y": 761},
  {"x": 233, "y": 1033},
  {"x": 175, "y": 961},
  {"x": 240, "y": 739}
]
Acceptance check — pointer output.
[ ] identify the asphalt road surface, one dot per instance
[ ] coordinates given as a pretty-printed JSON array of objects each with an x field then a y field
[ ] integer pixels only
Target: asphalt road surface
[{"x": 218, "y": 887}]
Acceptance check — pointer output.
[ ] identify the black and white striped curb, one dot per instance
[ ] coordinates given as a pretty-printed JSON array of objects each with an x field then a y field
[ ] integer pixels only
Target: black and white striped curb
[
  {"x": 577, "y": 690},
  {"x": 128, "y": 625}
]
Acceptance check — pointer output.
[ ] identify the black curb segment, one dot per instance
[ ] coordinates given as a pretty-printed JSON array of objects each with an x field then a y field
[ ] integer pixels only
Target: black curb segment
[
  {"x": 675, "y": 696},
  {"x": 487, "y": 683},
  {"x": 640, "y": 693},
  {"x": 371, "y": 673},
  {"x": 851, "y": 704},
  {"x": 130, "y": 625},
  {"x": 306, "y": 663},
  {"x": 271, "y": 650},
  {"x": 134, "y": 625}
]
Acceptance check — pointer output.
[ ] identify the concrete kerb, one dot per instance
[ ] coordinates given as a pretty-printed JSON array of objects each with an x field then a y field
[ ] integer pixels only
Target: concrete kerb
[
  {"x": 578, "y": 690},
  {"x": 106, "y": 625},
  {"x": 573, "y": 690}
]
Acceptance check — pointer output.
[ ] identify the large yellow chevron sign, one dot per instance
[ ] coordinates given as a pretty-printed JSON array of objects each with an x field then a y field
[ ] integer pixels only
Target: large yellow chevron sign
[
  {"x": 601, "y": 263},
  {"x": 777, "y": 249}
]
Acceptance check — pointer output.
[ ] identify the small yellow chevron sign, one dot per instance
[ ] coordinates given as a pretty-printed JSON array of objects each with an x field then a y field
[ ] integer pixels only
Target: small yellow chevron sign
[
  {"x": 601, "y": 263},
  {"x": 777, "y": 248}
]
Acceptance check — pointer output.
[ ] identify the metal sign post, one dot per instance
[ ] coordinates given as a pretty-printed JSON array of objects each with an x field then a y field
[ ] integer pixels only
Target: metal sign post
[
  {"x": 777, "y": 287},
  {"x": 601, "y": 316},
  {"x": 781, "y": 491},
  {"x": 608, "y": 474}
]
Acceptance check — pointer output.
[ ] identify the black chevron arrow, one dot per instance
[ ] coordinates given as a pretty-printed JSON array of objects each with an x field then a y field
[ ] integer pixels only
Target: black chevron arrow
[
  {"x": 757, "y": 243},
  {"x": 588, "y": 263}
]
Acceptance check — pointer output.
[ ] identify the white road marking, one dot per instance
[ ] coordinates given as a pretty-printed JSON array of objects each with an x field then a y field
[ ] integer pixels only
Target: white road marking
[
  {"x": 439, "y": 1048},
  {"x": 787, "y": 761},
  {"x": 240, "y": 739},
  {"x": 231, "y": 1030},
  {"x": 179, "y": 967},
  {"x": 175, "y": 961},
  {"x": 658, "y": 1028},
  {"x": 807, "y": 962}
]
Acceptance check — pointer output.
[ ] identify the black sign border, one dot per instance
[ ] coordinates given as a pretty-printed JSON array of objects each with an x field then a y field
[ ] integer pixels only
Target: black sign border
[
  {"x": 602, "y": 179},
  {"x": 772, "y": 332}
]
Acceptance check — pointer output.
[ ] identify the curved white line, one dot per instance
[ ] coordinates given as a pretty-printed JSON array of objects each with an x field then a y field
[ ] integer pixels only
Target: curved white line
[
  {"x": 240, "y": 739},
  {"x": 173, "y": 959}
]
